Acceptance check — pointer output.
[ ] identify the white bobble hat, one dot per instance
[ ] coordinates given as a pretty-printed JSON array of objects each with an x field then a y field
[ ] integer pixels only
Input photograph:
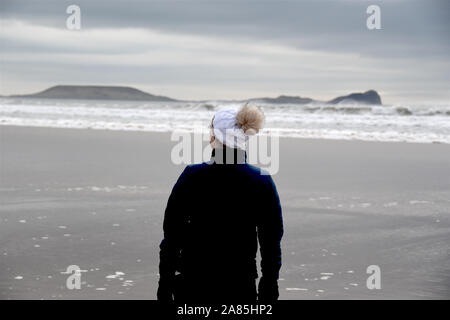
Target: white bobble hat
[{"x": 227, "y": 130}]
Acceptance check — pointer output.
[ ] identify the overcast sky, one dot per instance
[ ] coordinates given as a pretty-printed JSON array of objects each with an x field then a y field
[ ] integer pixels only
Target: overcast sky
[{"x": 230, "y": 49}]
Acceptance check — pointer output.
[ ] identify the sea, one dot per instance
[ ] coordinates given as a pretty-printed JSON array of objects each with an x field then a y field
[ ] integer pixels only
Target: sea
[{"x": 418, "y": 123}]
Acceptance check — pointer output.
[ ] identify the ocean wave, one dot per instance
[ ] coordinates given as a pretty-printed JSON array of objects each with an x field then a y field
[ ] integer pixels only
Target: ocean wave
[
  {"x": 324, "y": 133},
  {"x": 420, "y": 123},
  {"x": 363, "y": 109}
]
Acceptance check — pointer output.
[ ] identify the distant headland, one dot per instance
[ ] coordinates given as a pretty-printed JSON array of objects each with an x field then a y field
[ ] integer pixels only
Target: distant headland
[{"x": 129, "y": 93}]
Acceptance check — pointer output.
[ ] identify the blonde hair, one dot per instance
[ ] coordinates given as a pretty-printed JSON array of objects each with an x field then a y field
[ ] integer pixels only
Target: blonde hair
[{"x": 250, "y": 119}]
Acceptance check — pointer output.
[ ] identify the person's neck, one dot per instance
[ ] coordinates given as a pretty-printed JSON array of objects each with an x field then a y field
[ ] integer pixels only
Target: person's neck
[{"x": 226, "y": 155}]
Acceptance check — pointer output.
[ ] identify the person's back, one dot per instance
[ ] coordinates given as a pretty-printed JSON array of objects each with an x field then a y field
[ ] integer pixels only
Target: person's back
[{"x": 214, "y": 217}]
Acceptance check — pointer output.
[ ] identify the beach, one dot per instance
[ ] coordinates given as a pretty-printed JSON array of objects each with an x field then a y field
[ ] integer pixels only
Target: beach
[{"x": 96, "y": 199}]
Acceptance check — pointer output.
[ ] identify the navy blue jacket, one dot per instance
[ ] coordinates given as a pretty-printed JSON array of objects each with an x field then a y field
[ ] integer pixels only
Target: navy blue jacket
[{"x": 215, "y": 217}]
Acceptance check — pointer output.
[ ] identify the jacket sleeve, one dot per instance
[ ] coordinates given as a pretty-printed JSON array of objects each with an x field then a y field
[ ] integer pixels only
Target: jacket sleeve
[
  {"x": 171, "y": 244},
  {"x": 270, "y": 232}
]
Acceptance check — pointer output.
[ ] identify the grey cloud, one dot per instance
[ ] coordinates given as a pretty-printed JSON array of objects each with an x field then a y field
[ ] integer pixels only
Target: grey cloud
[
  {"x": 421, "y": 27},
  {"x": 415, "y": 34}
]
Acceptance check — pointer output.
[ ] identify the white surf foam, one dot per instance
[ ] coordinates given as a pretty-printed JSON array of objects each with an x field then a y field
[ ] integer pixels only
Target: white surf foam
[{"x": 411, "y": 123}]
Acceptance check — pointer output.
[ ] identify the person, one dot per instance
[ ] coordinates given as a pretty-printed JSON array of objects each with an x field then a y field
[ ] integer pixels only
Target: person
[{"x": 215, "y": 217}]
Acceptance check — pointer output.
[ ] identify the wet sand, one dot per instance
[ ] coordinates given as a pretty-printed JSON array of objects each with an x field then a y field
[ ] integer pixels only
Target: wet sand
[{"x": 96, "y": 199}]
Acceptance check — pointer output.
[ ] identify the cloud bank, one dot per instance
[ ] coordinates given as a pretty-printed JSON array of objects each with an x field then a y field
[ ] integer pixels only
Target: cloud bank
[{"x": 230, "y": 49}]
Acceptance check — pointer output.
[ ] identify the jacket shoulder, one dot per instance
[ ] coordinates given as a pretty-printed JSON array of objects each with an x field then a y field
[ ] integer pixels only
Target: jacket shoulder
[
  {"x": 191, "y": 168},
  {"x": 256, "y": 170}
]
